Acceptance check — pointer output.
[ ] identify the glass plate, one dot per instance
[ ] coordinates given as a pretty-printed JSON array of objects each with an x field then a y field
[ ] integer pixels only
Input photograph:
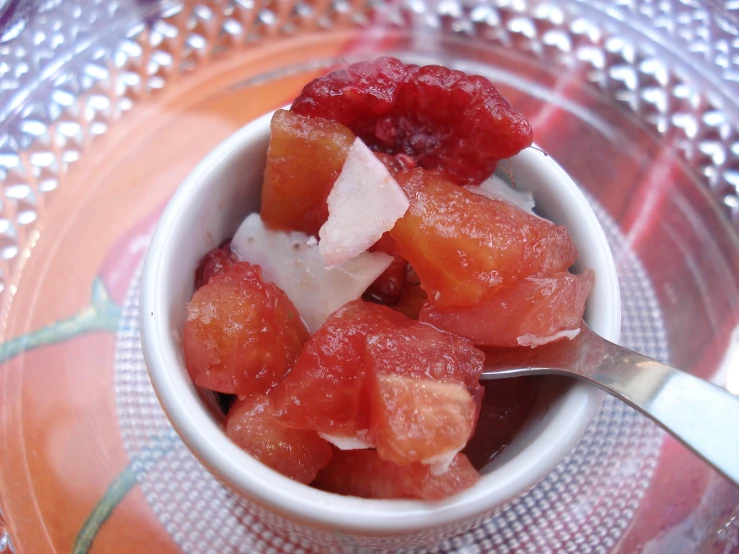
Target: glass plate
[{"x": 105, "y": 106}]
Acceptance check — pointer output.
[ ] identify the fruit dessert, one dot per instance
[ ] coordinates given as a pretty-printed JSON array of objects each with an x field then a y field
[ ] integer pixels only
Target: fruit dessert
[{"x": 344, "y": 324}]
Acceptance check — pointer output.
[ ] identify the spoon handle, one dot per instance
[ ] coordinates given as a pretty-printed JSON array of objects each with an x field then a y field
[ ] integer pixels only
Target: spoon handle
[{"x": 701, "y": 415}]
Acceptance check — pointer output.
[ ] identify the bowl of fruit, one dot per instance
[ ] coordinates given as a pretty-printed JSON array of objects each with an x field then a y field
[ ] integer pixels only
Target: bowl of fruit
[{"x": 321, "y": 294}]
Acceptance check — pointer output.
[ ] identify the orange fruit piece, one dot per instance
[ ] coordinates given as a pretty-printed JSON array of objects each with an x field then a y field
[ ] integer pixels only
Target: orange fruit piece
[
  {"x": 294, "y": 453},
  {"x": 242, "y": 334},
  {"x": 534, "y": 309},
  {"x": 304, "y": 159},
  {"x": 465, "y": 247}
]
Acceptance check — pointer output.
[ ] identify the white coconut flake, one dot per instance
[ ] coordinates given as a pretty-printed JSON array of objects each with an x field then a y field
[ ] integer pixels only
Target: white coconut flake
[
  {"x": 497, "y": 189},
  {"x": 348, "y": 443},
  {"x": 295, "y": 265},
  {"x": 364, "y": 203},
  {"x": 533, "y": 341},
  {"x": 439, "y": 464}
]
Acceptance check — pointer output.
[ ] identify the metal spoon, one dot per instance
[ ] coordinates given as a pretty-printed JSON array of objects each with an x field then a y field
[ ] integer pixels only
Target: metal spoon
[{"x": 704, "y": 417}]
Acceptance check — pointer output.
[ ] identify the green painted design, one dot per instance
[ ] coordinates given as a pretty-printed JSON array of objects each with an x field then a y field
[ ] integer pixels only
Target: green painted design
[
  {"x": 102, "y": 314},
  {"x": 119, "y": 488},
  {"x": 116, "y": 492}
]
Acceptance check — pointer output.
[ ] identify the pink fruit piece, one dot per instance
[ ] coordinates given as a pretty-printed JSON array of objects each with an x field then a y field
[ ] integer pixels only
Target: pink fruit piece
[
  {"x": 422, "y": 420},
  {"x": 294, "y": 453},
  {"x": 532, "y": 311},
  {"x": 363, "y": 473}
]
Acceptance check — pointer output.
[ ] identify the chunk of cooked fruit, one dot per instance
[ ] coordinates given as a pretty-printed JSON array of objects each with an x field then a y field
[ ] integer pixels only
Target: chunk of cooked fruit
[
  {"x": 294, "y": 453},
  {"x": 363, "y": 473},
  {"x": 387, "y": 288},
  {"x": 242, "y": 334},
  {"x": 216, "y": 261},
  {"x": 293, "y": 262},
  {"x": 338, "y": 384},
  {"x": 465, "y": 246},
  {"x": 304, "y": 159},
  {"x": 535, "y": 310},
  {"x": 420, "y": 420},
  {"x": 325, "y": 390},
  {"x": 442, "y": 118}
]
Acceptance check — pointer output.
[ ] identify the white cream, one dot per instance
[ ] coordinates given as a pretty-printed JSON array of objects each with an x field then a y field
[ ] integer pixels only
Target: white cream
[
  {"x": 533, "y": 341},
  {"x": 497, "y": 189},
  {"x": 349, "y": 443},
  {"x": 364, "y": 203},
  {"x": 292, "y": 261}
]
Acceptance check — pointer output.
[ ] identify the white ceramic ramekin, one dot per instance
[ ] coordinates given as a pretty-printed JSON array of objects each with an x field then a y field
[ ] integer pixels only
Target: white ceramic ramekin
[{"x": 205, "y": 210}]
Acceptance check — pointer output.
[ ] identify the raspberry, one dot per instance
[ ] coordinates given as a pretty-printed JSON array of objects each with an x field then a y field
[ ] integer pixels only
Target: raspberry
[{"x": 442, "y": 118}]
